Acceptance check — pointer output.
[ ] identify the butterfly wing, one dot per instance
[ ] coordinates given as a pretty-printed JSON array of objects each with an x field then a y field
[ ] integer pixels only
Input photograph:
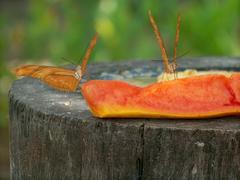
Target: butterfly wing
[
  {"x": 160, "y": 42},
  {"x": 61, "y": 81},
  {"x": 25, "y": 70},
  {"x": 56, "y": 77}
]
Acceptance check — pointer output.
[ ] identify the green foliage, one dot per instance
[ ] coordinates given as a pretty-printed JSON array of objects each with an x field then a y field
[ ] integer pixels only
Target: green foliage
[
  {"x": 49, "y": 30},
  {"x": 55, "y": 29}
]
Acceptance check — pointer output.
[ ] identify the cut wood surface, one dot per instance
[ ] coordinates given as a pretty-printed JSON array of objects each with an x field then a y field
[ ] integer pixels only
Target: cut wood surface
[{"x": 54, "y": 136}]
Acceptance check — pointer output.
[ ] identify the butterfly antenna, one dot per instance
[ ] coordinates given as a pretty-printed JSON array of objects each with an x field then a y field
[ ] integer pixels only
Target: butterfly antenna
[
  {"x": 84, "y": 50},
  {"x": 79, "y": 60},
  {"x": 69, "y": 61},
  {"x": 176, "y": 41},
  {"x": 183, "y": 54},
  {"x": 88, "y": 53},
  {"x": 178, "y": 57},
  {"x": 160, "y": 42}
]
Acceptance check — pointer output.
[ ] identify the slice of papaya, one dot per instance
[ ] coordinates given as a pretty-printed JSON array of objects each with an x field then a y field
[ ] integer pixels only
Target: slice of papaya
[{"x": 193, "y": 97}]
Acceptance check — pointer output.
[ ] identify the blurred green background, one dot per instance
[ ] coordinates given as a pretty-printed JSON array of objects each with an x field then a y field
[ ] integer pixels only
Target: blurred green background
[{"x": 42, "y": 32}]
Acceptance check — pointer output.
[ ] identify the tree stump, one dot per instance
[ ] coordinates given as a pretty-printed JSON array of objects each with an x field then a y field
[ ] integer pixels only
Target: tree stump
[{"x": 54, "y": 136}]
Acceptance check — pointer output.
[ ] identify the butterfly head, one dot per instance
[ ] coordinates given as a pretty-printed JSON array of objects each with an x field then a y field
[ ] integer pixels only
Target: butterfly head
[{"x": 78, "y": 73}]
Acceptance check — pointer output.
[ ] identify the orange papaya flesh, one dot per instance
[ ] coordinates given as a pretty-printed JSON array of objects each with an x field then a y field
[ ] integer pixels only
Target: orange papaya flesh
[{"x": 193, "y": 97}]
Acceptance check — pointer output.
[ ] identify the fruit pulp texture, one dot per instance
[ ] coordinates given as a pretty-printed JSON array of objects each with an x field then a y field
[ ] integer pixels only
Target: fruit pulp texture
[{"x": 192, "y": 97}]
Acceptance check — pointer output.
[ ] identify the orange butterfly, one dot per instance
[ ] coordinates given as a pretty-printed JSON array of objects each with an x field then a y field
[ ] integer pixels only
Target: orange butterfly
[
  {"x": 168, "y": 67},
  {"x": 57, "y": 77}
]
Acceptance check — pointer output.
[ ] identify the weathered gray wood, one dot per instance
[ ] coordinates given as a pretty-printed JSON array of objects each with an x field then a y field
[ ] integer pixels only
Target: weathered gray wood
[
  {"x": 54, "y": 136},
  {"x": 200, "y": 149}
]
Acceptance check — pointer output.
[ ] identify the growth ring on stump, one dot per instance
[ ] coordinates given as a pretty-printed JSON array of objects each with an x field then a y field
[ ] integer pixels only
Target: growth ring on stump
[{"x": 54, "y": 136}]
